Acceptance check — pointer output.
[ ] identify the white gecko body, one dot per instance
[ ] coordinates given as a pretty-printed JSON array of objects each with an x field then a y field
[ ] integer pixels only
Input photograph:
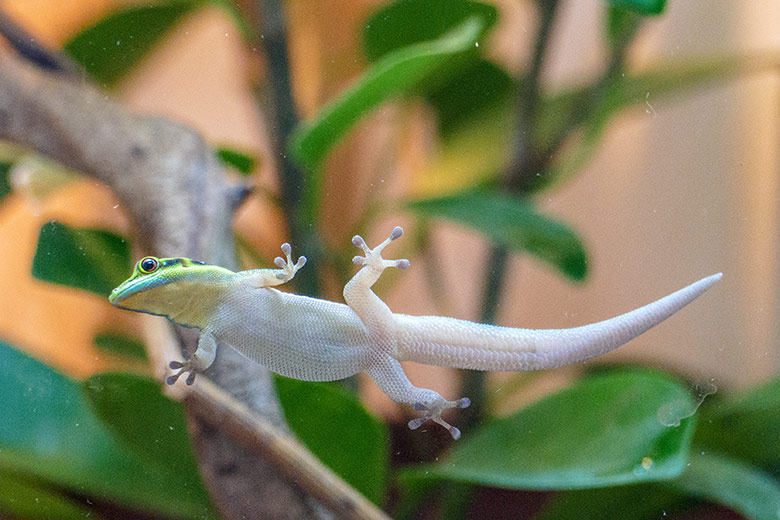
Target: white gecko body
[{"x": 317, "y": 340}]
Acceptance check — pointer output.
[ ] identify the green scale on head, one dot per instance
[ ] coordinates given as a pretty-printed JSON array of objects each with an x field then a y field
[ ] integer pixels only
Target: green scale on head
[{"x": 181, "y": 289}]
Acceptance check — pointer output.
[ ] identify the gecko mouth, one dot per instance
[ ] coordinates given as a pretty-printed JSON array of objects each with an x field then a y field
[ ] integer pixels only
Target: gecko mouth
[{"x": 131, "y": 287}]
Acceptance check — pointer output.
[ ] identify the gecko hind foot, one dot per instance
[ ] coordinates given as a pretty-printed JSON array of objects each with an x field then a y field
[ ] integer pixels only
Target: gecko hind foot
[
  {"x": 182, "y": 367},
  {"x": 433, "y": 413},
  {"x": 373, "y": 257}
]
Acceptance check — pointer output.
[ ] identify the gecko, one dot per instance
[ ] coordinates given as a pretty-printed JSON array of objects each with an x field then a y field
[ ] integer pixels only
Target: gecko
[{"x": 318, "y": 340}]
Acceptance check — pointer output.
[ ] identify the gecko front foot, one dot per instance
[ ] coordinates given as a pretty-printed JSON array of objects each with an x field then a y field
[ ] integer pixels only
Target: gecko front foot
[
  {"x": 373, "y": 259},
  {"x": 286, "y": 264},
  {"x": 186, "y": 366},
  {"x": 433, "y": 412}
]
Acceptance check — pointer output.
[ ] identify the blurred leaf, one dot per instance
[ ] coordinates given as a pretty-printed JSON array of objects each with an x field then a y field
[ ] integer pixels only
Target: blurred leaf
[
  {"x": 471, "y": 155},
  {"x": 49, "y": 432},
  {"x": 480, "y": 149},
  {"x": 161, "y": 438},
  {"x": 622, "y": 25},
  {"x": 512, "y": 222},
  {"x": 89, "y": 259},
  {"x": 647, "y": 7},
  {"x": 242, "y": 162},
  {"x": 121, "y": 344},
  {"x": 396, "y": 73},
  {"x": 642, "y": 90},
  {"x": 22, "y": 498},
  {"x": 407, "y": 22},
  {"x": 334, "y": 426},
  {"x": 471, "y": 94},
  {"x": 233, "y": 10},
  {"x": 116, "y": 43},
  {"x": 603, "y": 431},
  {"x": 725, "y": 481},
  {"x": 746, "y": 426},
  {"x": 5, "y": 183},
  {"x": 634, "y": 502}
]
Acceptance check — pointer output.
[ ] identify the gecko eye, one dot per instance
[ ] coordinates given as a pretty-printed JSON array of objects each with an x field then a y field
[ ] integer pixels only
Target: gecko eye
[{"x": 148, "y": 265}]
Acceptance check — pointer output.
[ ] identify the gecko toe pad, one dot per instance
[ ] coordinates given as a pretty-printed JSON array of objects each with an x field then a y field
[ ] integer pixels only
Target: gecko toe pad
[
  {"x": 401, "y": 264},
  {"x": 182, "y": 369},
  {"x": 416, "y": 423},
  {"x": 397, "y": 232},
  {"x": 432, "y": 411}
]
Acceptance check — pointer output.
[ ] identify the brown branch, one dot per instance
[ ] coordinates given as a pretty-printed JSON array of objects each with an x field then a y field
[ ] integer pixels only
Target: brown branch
[{"x": 177, "y": 196}]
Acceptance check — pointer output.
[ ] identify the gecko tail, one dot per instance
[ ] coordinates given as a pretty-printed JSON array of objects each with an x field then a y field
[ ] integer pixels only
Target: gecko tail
[{"x": 464, "y": 344}]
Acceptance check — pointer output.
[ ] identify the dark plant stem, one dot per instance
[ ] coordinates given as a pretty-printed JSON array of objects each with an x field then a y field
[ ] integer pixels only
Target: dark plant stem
[
  {"x": 26, "y": 45},
  {"x": 522, "y": 166},
  {"x": 282, "y": 111}
]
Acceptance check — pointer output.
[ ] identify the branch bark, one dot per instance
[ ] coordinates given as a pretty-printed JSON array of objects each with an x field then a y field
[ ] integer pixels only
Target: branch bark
[{"x": 180, "y": 203}]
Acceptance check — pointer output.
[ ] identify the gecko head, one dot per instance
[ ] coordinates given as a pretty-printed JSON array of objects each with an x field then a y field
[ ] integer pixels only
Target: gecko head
[{"x": 158, "y": 285}]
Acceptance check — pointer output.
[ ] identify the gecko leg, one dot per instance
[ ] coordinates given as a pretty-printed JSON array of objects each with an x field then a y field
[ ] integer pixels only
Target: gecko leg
[
  {"x": 377, "y": 317},
  {"x": 200, "y": 360},
  {"x": 373, "y": 259},
  {"x": 261, "y": 278},
  {"x": 391, "y": 379},
  {"x": 373, "y": 312}
]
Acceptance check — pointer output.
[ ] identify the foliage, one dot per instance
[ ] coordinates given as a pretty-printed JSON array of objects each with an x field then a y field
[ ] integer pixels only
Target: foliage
[
  {"x": 120, "y": 344},
  {"x": 553, "y": 445},
  {"x": 335, "y": 427},
  {"x": 600, "y": 442},
  {"x": 5, "y": 184},
  {"x": 66, "y": 436},
  {"x": 513, "y": 222},
  {"x": 90, "y": 259}
]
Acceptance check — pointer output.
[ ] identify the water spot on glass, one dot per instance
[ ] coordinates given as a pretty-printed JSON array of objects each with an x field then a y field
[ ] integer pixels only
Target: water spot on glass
[{"x": 672, "y": 413}]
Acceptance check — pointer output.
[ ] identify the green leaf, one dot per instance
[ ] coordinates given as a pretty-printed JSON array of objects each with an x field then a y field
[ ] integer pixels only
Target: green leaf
[
  {"x": 121, "y": 344},
  {"x": 50, "y": 433},
  {"x": 242, "y": 162},
  {"x": 109, "y": 49},
  {"x": 646, "y": 7},
  {"x": 334, "y": 425},
  {"x": 622, "y": 26},
  {"x": 635, "y": 502},
  {"x": 393, "y": 75},
  {"x": 5, "y": 183},
  {"x": 603, "y": 431},
  {"x": 407, "y": 22},
  {"x": 234, "y": 11},
  {"x": 120, "y": 399},
  {"x": 512, "y": 222},
  {"x": 471, "y": 94},
  {"x": 642, "y": 90},
  {"x": 746, "y": 426},
  {"x": 725, "y": 481},
  {"x": 490, "y": 135},
  {"x": 23, "y": 498},
  {"x": 91, "y": 259}
]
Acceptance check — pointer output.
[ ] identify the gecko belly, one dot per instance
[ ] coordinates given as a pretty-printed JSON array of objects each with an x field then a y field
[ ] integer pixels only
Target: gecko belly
[{"x": 295, "y": 336}]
